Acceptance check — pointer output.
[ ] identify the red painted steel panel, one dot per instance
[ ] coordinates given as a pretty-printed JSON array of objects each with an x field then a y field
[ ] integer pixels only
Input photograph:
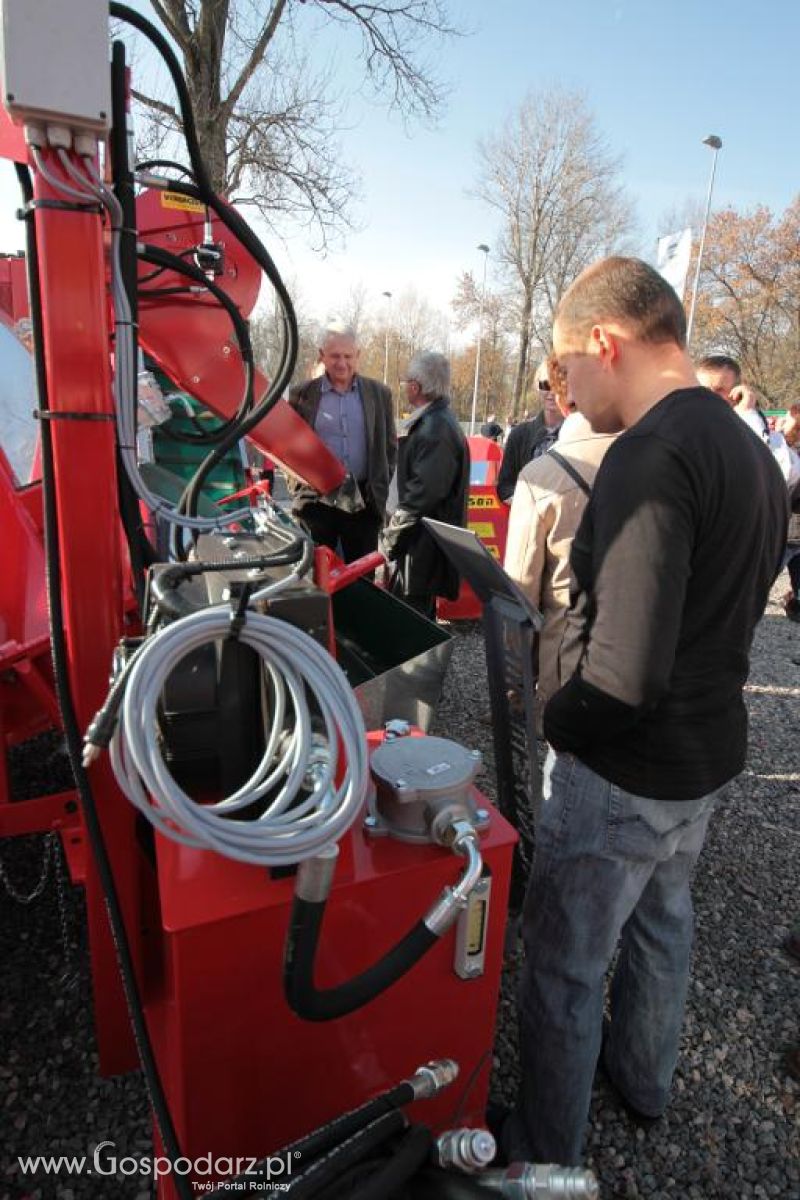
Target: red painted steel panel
[
  {"x": 243, "y": 1074},
  {"x": 192, "y": 340}
]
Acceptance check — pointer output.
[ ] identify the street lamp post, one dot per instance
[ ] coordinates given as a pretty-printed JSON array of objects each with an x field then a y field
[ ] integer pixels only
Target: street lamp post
[
  {"x": 716, "y": 145},
  {"x": 485, "y": 251},
  {"x": 388, "y": 297}
]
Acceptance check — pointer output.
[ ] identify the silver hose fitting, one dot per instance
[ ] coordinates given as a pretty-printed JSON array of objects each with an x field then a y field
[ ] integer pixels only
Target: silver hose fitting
[
  {"x": 540, "y": 1181},
  {"x": 452, "y": 900},
  {"x": 433, "y": 1077},
  {"x": 467, "y": 1150},
  {"x": 315, "y": 875}
]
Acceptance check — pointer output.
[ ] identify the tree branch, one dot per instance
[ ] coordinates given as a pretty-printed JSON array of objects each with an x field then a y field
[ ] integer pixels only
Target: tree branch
[{"x": 255, "y": 58}]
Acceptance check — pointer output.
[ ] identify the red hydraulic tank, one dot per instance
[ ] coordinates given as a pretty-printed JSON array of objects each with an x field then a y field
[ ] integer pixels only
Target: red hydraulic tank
[{"x": 244, "y": 1075}]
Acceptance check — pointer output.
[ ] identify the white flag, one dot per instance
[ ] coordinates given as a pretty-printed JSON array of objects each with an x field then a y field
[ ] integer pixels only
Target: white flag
[{"x": 672, "y": 259}]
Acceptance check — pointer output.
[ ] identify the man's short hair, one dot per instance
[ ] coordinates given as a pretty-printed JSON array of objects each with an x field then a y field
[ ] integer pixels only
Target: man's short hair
[
  {"x": 431, "y": 371},
  {"x": 337, "y": 331},
  {"x": 627, "y": 291},
  {"x": 720, "y": 362}
]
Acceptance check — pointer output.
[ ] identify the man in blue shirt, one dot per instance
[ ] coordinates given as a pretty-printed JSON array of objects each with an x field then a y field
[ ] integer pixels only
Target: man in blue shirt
[{"x": 353, "y": 416}]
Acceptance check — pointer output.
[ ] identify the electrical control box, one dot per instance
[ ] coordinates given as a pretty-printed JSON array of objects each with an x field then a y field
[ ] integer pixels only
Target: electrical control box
[{"x": 54, "y": 59}]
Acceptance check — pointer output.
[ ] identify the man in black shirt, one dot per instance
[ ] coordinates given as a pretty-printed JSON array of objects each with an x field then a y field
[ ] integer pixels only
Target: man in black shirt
[{"x": 673, "y": 562}]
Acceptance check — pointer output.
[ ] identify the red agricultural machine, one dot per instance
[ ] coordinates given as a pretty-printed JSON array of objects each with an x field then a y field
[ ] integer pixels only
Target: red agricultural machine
[{"x": 296, "y": 898}]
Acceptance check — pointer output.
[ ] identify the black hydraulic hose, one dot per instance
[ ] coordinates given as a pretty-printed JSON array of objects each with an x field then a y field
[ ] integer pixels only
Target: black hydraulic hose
[
  {"x": 169, "y": 164},
  {"x": 320, "y": 1140},
  {"x": 312, "y": 1004},
  {"x": 228, "y": 434},
  {"x": 72, "y": 734},
  {"x": 204, "y": 192},
  {"x": 138, "y": 546},
  {"x": 323, "y": 1171},
  {"x": 172, "y": 262},
  {"x": 409, "y": 1155},
  {"x": 164, "y": 584}
]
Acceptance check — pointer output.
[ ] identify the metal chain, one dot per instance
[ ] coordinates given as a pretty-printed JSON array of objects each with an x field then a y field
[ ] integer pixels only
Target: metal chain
[{"x": 14, "y": 892}]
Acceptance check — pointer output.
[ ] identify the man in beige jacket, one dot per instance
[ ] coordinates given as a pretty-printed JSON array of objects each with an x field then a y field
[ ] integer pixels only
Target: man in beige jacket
[{"x": 548, "y": 503}]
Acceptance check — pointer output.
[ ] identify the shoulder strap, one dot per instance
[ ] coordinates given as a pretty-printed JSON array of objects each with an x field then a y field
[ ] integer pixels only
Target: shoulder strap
[{"x": 573, "y": 473}]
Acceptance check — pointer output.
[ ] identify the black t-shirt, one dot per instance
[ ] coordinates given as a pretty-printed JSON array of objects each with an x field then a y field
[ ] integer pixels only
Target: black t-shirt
[{"x": 673, "y": 562}]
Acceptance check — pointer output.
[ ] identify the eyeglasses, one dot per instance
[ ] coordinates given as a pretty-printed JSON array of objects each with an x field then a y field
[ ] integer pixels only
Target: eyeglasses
[
  {"x": 544, "y": 385},
  {"x": 405, "y": 382}
]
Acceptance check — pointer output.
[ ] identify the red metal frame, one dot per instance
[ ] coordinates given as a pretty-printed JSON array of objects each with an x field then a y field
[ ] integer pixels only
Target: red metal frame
[
  {"x": 76, "y": 337},
  {"x": 242, "y": 1073}
]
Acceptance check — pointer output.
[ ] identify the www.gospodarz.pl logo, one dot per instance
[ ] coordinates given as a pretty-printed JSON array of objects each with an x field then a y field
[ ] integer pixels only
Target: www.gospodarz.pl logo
[{"x": 211, "y": 1173}]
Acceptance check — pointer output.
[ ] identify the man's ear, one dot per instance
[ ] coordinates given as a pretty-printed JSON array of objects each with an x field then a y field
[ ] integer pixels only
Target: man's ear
[{"x": 604, "y": 343}]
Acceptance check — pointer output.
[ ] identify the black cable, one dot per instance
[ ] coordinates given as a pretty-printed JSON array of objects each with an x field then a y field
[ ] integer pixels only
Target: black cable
[
  {"x": 169, "y": 164},
  {"x": 204, "y": 192},
  {"x": 327, "y": 1004},
  {"x": 171, "y": 262},
  {"x": 130, "y": 515},
  {"x": 72, "y": 734},
  {"x": 323, "y": 1171},
  {"x": 187, "y": 253},
  {"x": 322, "y": 1139}
]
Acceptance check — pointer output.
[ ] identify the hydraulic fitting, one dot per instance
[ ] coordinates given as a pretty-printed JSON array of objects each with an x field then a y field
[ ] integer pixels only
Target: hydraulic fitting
[
  {"x": 467, "y": 1150},
  {"x": 433, "y": 1077},
  {"x": 540, "y": 1181}
]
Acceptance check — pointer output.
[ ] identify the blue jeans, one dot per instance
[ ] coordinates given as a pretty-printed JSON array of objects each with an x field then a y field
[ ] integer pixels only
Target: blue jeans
[{"x": 609, "y": 867}]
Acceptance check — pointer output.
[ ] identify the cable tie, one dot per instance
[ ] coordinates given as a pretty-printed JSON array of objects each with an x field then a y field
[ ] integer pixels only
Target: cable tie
[
  {"x": 46, "y": 414},
  {"x": 60, "y": 206},
  {"x": 239, "y": 614}
]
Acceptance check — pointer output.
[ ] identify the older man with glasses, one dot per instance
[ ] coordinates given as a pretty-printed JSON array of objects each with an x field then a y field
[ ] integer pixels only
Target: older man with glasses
[{"x": 529, "y": 439}]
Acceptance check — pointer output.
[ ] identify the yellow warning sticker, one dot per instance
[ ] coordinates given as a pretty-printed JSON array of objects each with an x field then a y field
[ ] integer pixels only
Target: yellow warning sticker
[
  {"x": 483, "y": 502},
  {"x": 185, "y": 203}
]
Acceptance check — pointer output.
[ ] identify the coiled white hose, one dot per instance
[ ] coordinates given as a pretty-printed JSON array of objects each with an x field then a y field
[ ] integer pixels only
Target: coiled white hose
[{"x": 292, "y": 827}]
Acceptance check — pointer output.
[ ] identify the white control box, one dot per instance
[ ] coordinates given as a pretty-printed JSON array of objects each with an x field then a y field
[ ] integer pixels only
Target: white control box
[{"x": 54, "y": 59}]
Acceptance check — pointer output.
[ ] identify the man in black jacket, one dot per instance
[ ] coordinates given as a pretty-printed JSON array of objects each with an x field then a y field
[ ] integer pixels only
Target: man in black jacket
[
  {"x": 432, "y": 481},
  {"x": 353, "y": 416},
  {"x": 672, "y": 565},
  {"x": 529, "y": 439}
]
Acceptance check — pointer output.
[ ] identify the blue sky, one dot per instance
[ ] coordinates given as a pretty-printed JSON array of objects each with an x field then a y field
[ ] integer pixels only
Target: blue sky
[{"x": 658, "y": 77}]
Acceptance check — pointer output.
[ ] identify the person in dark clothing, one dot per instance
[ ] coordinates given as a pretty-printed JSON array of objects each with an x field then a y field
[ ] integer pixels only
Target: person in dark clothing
[
  {"x": 492, "y": 429},
  {"x": 672, "y": 562},
  {"x": 353, "y": 416},
  {"x": 432, "y": 481},
  {"x": 529, "y": 439}
]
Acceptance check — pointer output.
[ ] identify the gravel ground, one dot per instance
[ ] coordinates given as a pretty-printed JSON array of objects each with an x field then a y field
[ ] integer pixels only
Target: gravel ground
[{"x": 733, "y": 1128}]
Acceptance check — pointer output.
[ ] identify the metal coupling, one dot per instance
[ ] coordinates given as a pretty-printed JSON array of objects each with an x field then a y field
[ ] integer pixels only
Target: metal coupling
[
  {"x": 451, "y": 825},
  {"x": 540, "y": 1181},
  {"x": 433, "y": 1077},
  {"x": 315, "y": 875},
  {"x": 467, "y": 1150}
]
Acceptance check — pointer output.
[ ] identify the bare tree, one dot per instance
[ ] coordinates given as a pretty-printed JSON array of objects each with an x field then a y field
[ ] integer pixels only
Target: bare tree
[
  {"x": 749, "y": 296},
  {"x": 266, "y": 121},
  {"x": 554, "y": 182},
  {"x": 497, "y": 328}
]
